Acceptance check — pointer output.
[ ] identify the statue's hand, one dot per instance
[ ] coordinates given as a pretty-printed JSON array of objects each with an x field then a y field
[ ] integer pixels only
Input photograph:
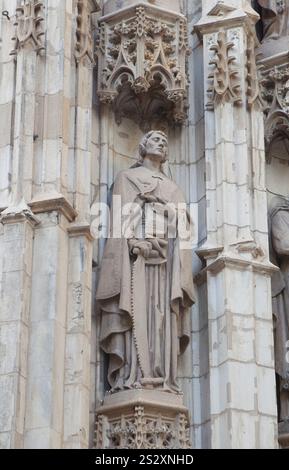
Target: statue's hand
[
  {"x": 148, "y": 198},
  {"x": 140, "y": 247},
  {"x": 159, "y": 246}
]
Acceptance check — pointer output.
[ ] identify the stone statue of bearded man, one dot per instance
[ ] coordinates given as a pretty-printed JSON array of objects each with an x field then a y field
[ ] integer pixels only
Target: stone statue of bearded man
[{"x": 145, "y": 288}]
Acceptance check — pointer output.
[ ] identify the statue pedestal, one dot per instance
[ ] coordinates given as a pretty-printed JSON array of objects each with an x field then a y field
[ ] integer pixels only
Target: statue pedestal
[{"x": 142, "y": 419}]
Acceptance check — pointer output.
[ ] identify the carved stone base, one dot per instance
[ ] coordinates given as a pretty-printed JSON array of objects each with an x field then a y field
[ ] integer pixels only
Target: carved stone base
[
  {"x": 284, "y": 434},
  {"x": 142, "y": 419}
]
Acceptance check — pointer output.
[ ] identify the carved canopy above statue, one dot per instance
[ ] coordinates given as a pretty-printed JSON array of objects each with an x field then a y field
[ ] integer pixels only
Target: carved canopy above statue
[
  {"x": 110, "y": 6},
  {"x": 142, "y": 63}
]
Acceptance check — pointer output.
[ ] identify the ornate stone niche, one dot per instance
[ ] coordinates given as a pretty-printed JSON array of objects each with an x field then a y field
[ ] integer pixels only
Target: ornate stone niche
[
  {"x": 274, "y": 61},
  {"x": 142, "y": 53},
  {"x": 275, "y": 94}
]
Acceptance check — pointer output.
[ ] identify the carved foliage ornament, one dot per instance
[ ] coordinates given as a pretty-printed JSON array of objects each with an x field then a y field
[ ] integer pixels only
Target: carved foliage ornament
[
  {"x": 143, "y": 51},
  {"x": 225, "y": 86},
  {"x": 28, "y": 28},
  {"x": 275, "y": 93},
  {"x": 253, "y": 86}
]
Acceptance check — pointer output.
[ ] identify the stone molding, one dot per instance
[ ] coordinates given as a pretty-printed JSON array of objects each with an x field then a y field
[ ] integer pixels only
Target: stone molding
[
  {"x": 229, "y": 260},
  {"x": 28, "y": 26},
  {"x": 80, "y": 230},
  {"x": 53, "y": 202},
  {"x": 142, "y": 54},
  {"x": 18, "y": 214}
]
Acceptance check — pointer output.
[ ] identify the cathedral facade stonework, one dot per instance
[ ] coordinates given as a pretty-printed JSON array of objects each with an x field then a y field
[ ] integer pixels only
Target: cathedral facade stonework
[{"x": 144, "y": 247}]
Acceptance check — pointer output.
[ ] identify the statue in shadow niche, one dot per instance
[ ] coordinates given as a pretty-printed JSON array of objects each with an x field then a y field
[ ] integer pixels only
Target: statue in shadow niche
[
  {"x": 275, "y": 18},
  {"x": 145, "y": 288},
  {"x": 279, "y": 247}
]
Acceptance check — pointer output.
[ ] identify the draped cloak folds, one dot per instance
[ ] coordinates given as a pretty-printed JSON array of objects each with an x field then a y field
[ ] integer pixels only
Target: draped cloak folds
[
  {"x": 115, "y": 287},
  {"x": 279, "y": 253}
]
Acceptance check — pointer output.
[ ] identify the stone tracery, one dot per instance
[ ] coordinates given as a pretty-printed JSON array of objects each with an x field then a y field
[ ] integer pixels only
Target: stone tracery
[{"x": 144, "y": 53}]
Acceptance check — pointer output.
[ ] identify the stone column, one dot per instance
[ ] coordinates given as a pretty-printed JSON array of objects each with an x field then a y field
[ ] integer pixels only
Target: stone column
[
  {"x": 78, "y": 325},
  {"x": 7, "y": 88},
  {"x": 52, "y": 200},
  {"x": 45, "y": 260},
  {"x": 46, "y": 354},
  {"x": 19, "y": 223},
  {"x": 16, "y": 267},
  {"x": 242, "y": 377},
  {"x": 58, "y": 388},
  {"x": 8, "y": 350}
]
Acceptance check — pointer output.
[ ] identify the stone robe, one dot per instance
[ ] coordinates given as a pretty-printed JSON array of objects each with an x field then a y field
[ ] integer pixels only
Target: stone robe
[
  {"x": 279, "y": 241},
  {"x": 145, "y": 303}
]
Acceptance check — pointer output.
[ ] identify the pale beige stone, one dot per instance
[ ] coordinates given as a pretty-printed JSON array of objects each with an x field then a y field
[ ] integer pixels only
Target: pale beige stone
[{"x": 61, "y": 149}]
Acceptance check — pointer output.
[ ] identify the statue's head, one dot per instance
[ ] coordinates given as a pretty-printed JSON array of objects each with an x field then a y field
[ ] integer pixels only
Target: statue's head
[{"x": 154, "y": 143}]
